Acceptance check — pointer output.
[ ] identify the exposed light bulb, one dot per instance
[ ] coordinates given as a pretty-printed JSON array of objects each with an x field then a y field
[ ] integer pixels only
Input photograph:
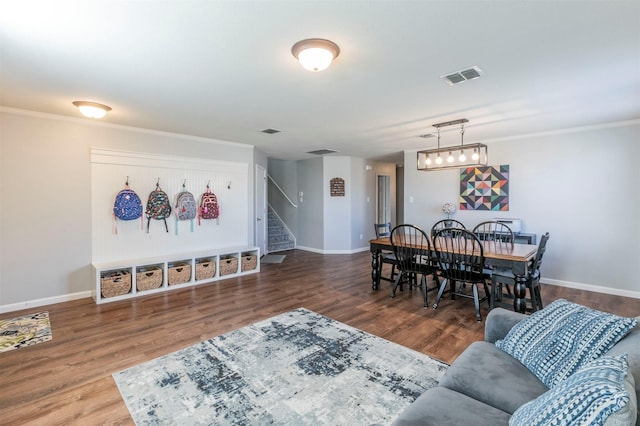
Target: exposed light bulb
[
  {"x": 428, "y": 161},
  {"x": 438, "y": 159},
  {"x": 462, "y": 156},
  {"x": 450, "y": 158},
  {"x": 475, "y": 155}
]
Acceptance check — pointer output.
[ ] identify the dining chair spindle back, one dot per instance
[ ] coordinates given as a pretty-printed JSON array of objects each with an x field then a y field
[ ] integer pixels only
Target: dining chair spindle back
[
  {"x": 461, "y": 260},
  {"x": 412, "y": 249}
]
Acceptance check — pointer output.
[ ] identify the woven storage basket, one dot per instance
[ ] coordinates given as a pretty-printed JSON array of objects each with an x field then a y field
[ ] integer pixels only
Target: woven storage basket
[
  {"x": 115, "y": 283},
  {"x": 179, "y": 273},
  {"x": 249, "y": 262},
  {"x": 148, "y": 278},
  {"x": 228, "y": 265},
  {"x": 205, "y": 269}
]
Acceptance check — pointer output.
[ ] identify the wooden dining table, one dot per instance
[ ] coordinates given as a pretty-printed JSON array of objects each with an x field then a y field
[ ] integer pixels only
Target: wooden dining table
[{"x": 517, "y": 257}]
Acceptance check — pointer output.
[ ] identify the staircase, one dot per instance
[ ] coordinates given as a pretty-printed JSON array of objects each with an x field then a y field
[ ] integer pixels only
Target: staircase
[{"x": 279, "y": 237}]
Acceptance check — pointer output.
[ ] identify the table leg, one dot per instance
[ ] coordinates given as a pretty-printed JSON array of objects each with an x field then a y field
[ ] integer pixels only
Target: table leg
[
  {"x": 520, "y": 294},
  {"x": 375, "y": 269}
]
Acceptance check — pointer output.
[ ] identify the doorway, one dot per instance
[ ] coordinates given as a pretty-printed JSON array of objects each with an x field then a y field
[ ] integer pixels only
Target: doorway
[{"x": 383, "y": 214}]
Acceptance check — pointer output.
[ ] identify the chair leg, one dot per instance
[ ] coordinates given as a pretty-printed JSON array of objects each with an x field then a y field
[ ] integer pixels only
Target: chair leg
[
  {"x": 436, "y": 278},
  {"x": 536, "y": 299},
  {"x": 494, "y": 293},
  {"x": 538, "y": 295},
  {"x": 476, "y": 301},
  {"x": 396, "y": 283},
  {"x": 423, "y": 282},
  {"x": 443, "y": 284}
]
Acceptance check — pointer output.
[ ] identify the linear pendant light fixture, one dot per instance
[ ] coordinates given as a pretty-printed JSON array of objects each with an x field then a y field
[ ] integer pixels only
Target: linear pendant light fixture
[
  {"x": 315, "y": 54},
  {"x": 452, "y": 157}
]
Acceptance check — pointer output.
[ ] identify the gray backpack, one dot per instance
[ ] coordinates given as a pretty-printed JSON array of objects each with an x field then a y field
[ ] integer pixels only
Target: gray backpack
[{"x": 186, "y": 207}]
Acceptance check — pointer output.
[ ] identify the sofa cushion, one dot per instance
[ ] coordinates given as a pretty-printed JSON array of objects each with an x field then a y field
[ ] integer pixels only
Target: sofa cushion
[
  {"x": 486, "y": 373},
  {"x": 441, "y": 406},
  {"x": 588, "y": 397},
  {"x": 499, "y": 322},
  {"x": 630, "y": 345},
  {"x": 557, "y": 340}
]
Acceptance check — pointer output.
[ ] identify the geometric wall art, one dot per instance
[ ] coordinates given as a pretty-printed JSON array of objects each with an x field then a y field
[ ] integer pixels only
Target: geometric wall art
[{"x": 484, "y": 188}]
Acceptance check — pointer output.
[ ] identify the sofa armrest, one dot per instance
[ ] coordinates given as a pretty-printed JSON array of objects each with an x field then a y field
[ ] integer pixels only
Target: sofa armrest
[{"x": 499, "y": 322}]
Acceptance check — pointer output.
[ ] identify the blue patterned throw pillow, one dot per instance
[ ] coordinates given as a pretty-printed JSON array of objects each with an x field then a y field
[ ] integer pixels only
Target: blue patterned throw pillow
[
  {"x": 588, "y": 397},
  {"x": 557, "y": 340}
]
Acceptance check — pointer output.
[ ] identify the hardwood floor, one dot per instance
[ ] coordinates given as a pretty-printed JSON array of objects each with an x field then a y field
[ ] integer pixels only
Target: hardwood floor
[{"x": 68, "y": 380}]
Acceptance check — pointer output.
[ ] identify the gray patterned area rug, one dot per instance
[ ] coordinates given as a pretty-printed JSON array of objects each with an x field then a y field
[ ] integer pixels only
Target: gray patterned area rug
[{"x": 298, "y": 368}]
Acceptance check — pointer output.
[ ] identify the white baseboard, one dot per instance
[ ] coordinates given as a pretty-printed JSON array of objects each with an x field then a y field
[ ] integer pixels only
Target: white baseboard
[
  {"x": 81, "y": 295},
  {"x": 320, "y": 251},
  {"x": 590, "y": 287},
  {"x": 46, "y": 301}
]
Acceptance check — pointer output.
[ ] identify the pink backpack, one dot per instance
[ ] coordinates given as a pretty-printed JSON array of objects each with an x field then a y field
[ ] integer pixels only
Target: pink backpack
[{"x": 209, "y": 208}]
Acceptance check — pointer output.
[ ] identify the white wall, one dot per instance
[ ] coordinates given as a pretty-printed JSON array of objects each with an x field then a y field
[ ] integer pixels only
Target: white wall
[
  {"x": 580, "y": 186},
  {"x": 227, "y": 180},
  {"x": 310, "y": 208},
  {"x": 337, "y": 210},
  {"x": 359, "y": 204},
  {"x": 45, "y": 201}
]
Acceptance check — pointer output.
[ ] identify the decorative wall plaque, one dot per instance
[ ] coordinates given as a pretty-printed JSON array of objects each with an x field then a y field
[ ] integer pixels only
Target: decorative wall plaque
[
  {"x": 484, "y": 188},
  {"x": 337, "y": 187}
]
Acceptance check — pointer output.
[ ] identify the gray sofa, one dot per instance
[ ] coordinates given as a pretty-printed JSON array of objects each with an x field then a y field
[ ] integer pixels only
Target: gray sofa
[{"x": 485, "y": 385}]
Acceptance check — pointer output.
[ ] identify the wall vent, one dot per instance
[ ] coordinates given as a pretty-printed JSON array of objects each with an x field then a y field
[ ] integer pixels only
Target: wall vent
[
  {"x": 462, "y": 75},
  {"x": 270, "y": 131}
]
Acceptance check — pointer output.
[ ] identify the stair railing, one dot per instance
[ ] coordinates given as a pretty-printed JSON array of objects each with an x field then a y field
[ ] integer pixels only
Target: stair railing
[{"x": 282, "y": 191}]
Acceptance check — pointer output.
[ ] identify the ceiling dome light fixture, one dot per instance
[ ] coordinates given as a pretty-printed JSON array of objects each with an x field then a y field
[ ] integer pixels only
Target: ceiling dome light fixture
[
  {"x": 315, "y": 54},
  {"x": 92, "y": 109}
]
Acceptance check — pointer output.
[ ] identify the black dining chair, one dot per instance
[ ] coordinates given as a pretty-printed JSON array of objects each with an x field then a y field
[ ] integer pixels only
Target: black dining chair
[
  {"x": 494, "y": 231},
  {"x": 450, "y": 224},
  {"x": 413, "y": 253},
  {"x": 461, "y": 260},
  {"x": 507, "y": 279},
  {"x": 383, "y": 230}
]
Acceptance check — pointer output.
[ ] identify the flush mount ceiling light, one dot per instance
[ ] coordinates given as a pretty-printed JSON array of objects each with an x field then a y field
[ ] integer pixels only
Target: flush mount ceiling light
[
  {"x": 474, "y": 154},
  {"x": 92, "y": 109},
  {"x": 321, "y": 151},
  {"x": 315, "y": 54}
]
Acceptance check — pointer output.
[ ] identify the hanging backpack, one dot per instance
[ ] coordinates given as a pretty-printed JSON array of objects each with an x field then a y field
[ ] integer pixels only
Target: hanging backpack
[
  {"x": 158, "y": 206},
  {"x": 126, "y": 206},
  {"x": 209, "y": 208},
  {"x": 186, "y": 207}
]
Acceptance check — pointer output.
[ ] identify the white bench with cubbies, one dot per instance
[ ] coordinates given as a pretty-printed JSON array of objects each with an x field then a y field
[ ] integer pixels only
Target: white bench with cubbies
[{"x": 132, "y": 278}]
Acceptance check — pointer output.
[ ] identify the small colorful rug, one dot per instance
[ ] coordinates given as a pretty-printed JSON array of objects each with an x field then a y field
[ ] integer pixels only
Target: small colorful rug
[
  {"x": 27, "y": 330},
  {"x": 298, "y": 368}
]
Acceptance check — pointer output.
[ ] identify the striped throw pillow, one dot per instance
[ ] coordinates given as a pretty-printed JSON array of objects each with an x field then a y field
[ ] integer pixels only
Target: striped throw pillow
[
  {"x": 588, "y": 397},
  {"x": 557, "y": 340}
]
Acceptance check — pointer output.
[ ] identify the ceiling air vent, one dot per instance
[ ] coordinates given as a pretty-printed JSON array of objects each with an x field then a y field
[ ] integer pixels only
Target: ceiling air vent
[
  {"x": 321, "y": 152},
  {"x": 270, "y": 131},
  {"x": 463, "y": 75},
  {"x": 428, "y": 135}
]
